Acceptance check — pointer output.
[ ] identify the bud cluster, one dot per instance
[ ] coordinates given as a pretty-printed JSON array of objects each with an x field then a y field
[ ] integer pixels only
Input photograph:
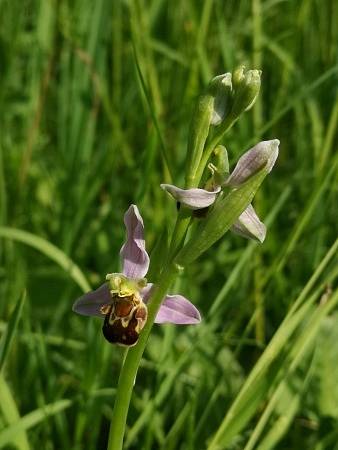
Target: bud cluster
[
  {"x": 226, "y": 97},
  {"x": 223, "y": 202},
  {"x": 233, "y": 94}
]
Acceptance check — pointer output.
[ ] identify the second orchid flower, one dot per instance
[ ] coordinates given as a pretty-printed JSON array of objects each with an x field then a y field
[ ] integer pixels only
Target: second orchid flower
[{"x": 248, "y": 224}]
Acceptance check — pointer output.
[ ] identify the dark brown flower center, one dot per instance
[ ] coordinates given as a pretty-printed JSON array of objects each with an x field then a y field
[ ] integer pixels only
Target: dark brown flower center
[{"x": 124, "y": 320}]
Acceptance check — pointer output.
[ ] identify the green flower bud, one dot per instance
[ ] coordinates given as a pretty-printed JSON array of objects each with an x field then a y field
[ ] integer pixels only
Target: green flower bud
[
  {"x": 247, "y": 89},
  {"x": 222, "y": 160},
  {"x": 199, "y": 130},
  {"x": 219, "y": 167},
  {"x": 211, "y": 109},
  {"x": 221, "y": 90},
  {"x": 238, "y": 76}
]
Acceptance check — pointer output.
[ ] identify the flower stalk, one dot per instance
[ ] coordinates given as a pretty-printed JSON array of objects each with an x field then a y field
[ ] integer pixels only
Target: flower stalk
[{"x": 132, "y": 361}]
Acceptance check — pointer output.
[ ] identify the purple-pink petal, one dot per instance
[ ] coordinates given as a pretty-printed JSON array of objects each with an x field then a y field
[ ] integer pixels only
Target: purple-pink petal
[
  {"x": 174, "y": 309},
  {"x": 177, "y": 309},
  {"x": 249, "y": 226},
  {"x": 263, "y": 154},
  {"x": 135, "y": 259},
  {"x": 90, "y": 304},
  {"x": 194, "y": 198}
]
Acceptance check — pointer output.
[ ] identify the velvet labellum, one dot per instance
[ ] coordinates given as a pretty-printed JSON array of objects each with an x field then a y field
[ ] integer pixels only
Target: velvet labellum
[{"x": 124, "y": 320}]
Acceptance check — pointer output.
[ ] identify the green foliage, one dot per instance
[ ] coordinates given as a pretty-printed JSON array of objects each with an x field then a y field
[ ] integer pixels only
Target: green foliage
[{"x": 96, "y": 100}]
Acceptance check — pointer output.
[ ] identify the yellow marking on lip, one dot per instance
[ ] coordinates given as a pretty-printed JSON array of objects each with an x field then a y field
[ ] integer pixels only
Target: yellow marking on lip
[{"x": 105, "y": 309}]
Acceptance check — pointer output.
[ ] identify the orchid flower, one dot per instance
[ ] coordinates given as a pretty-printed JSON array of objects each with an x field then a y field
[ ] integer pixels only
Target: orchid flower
[
  {"x": 122, "y": 300},
  {"x": 248, "y": 224}
]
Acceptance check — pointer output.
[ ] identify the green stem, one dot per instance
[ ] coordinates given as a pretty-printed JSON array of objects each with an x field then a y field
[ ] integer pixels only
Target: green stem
[
  {"x": 129, "y": 369},
  {"x": 179, "y": 233},
  {"x": 133, "y": 357},
  {"x": 209, "y": 149},
  {"x": 257, "y": 122}
]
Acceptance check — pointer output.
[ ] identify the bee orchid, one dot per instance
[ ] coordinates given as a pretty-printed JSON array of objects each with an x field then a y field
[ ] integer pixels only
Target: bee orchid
[
  {"x": 248, "y": 225},
  {"x": 122, "y": 300}
]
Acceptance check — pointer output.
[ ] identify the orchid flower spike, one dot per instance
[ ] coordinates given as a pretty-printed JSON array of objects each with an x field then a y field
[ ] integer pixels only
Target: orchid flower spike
[
  {"x": 263, "y": 154},
  {"x": 122, "y": 300}
]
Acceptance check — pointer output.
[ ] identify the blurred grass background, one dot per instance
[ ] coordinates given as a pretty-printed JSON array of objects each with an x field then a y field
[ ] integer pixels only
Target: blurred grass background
[{"x": 82, "y": 135}]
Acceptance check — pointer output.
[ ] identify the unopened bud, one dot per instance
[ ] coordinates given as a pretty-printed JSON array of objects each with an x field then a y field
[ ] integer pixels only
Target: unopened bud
[
  {"x": 220, "y": 88},
  {"x": 219, "y": 167},
  {"x": 238, "y": 76},
  {"x": 222, "y": 160},
  {"x": 247, "y": 89},
  {"x": 211, "y": 110},
  {"x": 199, "y": 130}
]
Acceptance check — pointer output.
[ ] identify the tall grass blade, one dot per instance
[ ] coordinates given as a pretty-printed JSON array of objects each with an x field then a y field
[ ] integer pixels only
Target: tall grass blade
[
  {"x": 8, "y": 334},
  {"x": 49, "y": 250}
]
